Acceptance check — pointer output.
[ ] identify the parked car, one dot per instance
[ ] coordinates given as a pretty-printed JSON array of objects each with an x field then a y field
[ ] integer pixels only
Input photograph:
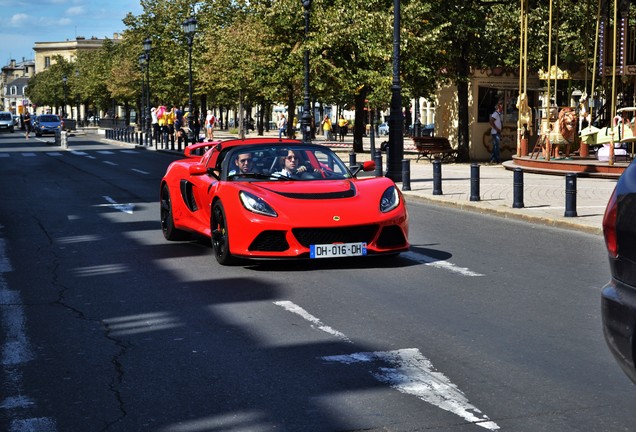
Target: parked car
[
  {"x": 383, "y": 129},
  {"x": 47, "y": 124},
  {"x": 6, "y": 122},
  {"x": 618, "y": 298},
  {"x": 318, "y": 210}
]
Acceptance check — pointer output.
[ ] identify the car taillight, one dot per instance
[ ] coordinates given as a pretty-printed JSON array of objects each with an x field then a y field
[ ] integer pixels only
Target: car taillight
[{"x": 609, "y": 226}]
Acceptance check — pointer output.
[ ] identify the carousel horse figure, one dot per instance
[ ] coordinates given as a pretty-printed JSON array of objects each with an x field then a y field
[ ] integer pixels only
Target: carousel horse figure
[
  {"x": 525, "y": 114},
  {"x": 623, "y": 132}
]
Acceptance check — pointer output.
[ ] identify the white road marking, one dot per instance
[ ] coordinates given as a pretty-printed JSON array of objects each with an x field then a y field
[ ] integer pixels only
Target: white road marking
[
  {"x": 5, "y": 155},
  {"x": 42, "y": 424},
  {"x": 130, "y": 151},
  {"x": 54, "y": 154},
  {"x": 16, "y": 351},
  {"x": 110, "y": 163},
  {"x": 441, "y": 264},
  {"x": 126, "y": 208},
  {"x": 412, "y": 373},
  {"x": 28, "y": 154},
  {"x": 316, "y": 323},
  {"x": 106, "y": 152},
  {"x": 78, "y": 153},
  {"x": 140, "y": 171}
]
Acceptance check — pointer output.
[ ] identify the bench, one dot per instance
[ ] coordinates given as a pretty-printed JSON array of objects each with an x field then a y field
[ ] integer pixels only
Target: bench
[{"x": 434, "y": 148}]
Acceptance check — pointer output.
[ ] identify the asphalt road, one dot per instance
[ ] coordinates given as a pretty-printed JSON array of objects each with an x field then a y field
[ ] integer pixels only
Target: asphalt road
[{"x": 486, "y": 324}]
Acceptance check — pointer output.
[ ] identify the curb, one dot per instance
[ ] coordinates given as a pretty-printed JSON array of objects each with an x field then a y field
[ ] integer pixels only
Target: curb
[{"x": 506, "y": 214}]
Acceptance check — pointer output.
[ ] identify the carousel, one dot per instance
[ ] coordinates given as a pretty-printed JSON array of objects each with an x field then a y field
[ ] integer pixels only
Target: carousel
[{"x": 594, "y": 137}]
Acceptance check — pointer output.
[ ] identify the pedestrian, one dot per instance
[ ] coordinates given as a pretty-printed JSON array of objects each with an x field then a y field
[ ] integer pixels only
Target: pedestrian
[
  {"x": 163, "y": 127},
  {"x": 27, "y": 123},
  {"x": 496, "y": 125},
  {"x": 170, "y": 119},
  {"x": 342, "y": 127},
  {"x": 155, "y": 124},
  {"x": 282, "y": 126},
  {"x": 210, "y": 123},
  {"x": 178, "y": 125},
  {"x": 327, "y": 128},
  {"x": 195, "y": 126}
]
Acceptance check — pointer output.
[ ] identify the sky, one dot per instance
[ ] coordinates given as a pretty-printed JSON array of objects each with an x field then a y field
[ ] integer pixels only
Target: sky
[{"x": 25, "y": 22}]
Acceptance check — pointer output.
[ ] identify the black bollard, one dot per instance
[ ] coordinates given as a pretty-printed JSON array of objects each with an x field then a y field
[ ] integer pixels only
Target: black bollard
[
  {"x": 437, "y": 177},
  {"x": 406, "y": 174},
  {"x": 474, "y": 182},
  {"x": 517, "y": 200},
  {"x": 378, "y": 164},
  {"x": 570, "y": 195},
  {"x": 352, "y": 159}
]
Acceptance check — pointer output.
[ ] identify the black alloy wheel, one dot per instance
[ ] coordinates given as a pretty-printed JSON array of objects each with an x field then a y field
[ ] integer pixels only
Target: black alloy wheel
[
  {"x": 220, "y": 236},
  {"x": 167, "y": 222}
]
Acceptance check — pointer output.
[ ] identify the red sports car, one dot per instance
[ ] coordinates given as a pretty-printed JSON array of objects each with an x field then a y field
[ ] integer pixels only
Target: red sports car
[{"x": 269, "y": 198}]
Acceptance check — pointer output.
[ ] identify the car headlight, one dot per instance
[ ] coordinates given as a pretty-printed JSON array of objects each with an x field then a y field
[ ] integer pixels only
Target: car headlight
[
  {"x": 256, "y": 204},
  {"x": 390, "y": 199}
]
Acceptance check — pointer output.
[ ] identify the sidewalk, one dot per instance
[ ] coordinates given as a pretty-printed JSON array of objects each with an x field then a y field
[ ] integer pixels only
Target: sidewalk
[{"x": 544, "y": 197}]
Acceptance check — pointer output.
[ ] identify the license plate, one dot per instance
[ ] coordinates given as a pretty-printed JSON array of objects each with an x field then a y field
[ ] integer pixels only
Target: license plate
[{"x": 337, "y": 250}]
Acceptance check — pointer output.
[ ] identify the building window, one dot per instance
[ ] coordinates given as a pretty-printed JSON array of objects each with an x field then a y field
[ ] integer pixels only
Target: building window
[
  {"x": 14, "y": 90},
  {"x": 47, "y": 62}
]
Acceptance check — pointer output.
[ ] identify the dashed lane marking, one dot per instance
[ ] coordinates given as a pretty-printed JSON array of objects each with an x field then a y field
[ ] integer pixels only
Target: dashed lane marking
[{"x": 441, "y": 264}]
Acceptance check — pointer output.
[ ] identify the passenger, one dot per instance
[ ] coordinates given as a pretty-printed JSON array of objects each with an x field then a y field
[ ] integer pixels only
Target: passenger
[{"x": 291, "y": 166}]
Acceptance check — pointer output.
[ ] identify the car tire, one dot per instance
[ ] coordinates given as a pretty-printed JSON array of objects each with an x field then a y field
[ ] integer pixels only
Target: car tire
[
  {"x": 220, "y": 236},
  {"x": 167, "y": 222}
]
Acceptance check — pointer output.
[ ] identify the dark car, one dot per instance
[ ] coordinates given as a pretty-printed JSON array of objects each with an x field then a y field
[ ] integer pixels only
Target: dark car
[
  {"x": 47, "y": 124},
  {"x": 618, "y": 297}
]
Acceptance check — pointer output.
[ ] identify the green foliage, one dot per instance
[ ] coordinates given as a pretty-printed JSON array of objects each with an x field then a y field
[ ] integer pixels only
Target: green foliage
[{"x": 254, "y": 50}]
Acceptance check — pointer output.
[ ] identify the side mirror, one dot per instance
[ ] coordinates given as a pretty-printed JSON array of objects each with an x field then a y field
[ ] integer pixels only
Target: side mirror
[
  {"x": 198, "y": 169},
  {"x": 368, "y": 165}
]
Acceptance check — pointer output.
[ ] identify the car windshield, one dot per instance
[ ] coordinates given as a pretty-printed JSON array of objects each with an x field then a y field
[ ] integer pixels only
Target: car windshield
[
  {"x": 49, "y": 118},
  {"x": 276, "y": 163},
  {"x": 5, "y": 116}
]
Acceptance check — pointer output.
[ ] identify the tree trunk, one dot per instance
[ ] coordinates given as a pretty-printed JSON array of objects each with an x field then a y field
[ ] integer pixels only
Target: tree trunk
[
  {"x": 463, "y": 138},
  {"x": 291, "y": 110},
  {"x": 359, "y": 121}
]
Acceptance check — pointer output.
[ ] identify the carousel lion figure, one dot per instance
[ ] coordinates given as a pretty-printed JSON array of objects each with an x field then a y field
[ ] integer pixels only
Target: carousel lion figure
[{"x": 563, "y": 131}]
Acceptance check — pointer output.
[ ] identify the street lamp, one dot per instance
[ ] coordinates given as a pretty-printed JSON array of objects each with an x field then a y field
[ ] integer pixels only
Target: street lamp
[
  {"x": 77, "y": 96},
  {"x": 189, "y": 28},
  {"x": 306, "y": 118},
  {"x": 64, "y": 106},
  {"x": 147, "y": 48},
  {"x": 395, "y": 149},
  {"x": 142, "y": 111}
]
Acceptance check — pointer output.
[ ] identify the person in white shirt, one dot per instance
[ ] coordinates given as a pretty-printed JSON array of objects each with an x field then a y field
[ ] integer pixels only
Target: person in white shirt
[{"x": 496, "y": 125}]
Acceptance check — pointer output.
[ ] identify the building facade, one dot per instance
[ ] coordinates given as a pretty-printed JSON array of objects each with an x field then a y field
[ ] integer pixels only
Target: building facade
[{"x": 13, "y": 82}]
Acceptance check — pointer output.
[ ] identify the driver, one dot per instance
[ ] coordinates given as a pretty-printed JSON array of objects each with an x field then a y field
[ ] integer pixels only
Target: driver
[
  {"x": 291, "y": 167},
  {"x": 243, "y": 164}
]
